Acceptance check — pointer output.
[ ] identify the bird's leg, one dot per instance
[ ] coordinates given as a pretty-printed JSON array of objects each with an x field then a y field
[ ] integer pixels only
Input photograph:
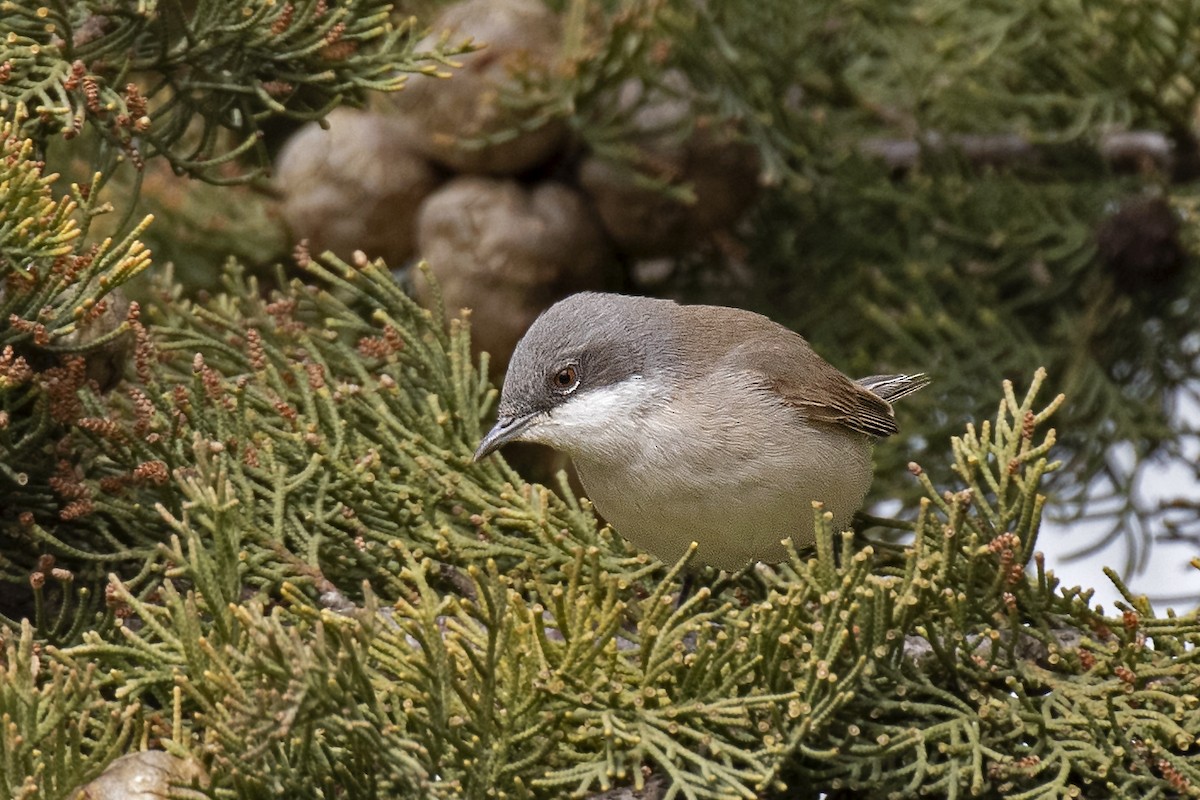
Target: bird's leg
[
  {"x": 692, "y": 579},
  {"x": 726, "y": 579},
  {"x": 686, "y": 586}
]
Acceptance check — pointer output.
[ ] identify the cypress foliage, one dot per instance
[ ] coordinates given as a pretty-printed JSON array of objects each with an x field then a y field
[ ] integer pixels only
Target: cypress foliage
[{"x": 260, "y": 552}]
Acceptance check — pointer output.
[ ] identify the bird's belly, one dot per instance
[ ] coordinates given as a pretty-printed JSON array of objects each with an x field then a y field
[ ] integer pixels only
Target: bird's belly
[{"x": 739, "y": 509}]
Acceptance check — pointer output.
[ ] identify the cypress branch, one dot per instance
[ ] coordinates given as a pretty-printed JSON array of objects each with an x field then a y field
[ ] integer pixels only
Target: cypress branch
[{"x": 270, "y": 552}]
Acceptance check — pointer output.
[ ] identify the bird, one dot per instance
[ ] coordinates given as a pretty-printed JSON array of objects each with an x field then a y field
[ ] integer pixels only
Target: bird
[{"x": 696, "y": 423}]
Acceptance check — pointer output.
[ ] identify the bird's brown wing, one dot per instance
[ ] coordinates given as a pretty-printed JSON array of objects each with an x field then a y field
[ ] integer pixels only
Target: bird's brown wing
[
  {"x": 822, "y": 394},
  {"x": 785, "y": 364},
  {"x": 846, "y": 405}
]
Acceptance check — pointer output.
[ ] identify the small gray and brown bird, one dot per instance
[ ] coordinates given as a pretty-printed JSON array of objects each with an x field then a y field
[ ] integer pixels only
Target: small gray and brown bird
[{"x": 696, "y": 423}]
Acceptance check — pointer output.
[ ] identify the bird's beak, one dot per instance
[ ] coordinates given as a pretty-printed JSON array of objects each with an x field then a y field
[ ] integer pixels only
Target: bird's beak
[{"x": 506, "y": 429}]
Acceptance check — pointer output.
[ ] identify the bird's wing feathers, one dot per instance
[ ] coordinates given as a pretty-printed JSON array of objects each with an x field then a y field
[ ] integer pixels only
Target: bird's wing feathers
[
  {"x": 893, "y": 387},
  {"x": 785, "y": 364},
  {"x": 821, "y": 393},
  {"x": 845, "y": 404}
]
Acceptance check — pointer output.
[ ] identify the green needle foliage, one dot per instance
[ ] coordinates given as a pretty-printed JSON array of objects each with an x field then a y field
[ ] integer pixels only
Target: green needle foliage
[
  {"x": 267, "y": 551},
  {"x": 347, "y": 604},
  {"x": 57, "y": 726},
  {"x": 60, "y": 308},
  {"x": 194, "y": 82}
]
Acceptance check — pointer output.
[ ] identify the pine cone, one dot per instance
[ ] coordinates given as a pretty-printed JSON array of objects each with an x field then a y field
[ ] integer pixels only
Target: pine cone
[
  {"x": 522, "y": 38},
  {"x": 1139, "y": 244},
  {"x": 508, "y": 251},
  {"x": 720, "y": 170},
  {"x": 356, "y": 186},
  {"x": 104, "y": 361},
  {"x": 147, "y": 775}
]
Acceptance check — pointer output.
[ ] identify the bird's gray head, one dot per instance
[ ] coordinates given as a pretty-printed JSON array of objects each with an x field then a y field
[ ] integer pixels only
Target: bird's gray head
[{"x": 585, "y": 360}]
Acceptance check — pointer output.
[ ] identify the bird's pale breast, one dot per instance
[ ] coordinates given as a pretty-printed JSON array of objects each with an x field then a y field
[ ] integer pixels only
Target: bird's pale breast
[{"x": 736, "y": 478}]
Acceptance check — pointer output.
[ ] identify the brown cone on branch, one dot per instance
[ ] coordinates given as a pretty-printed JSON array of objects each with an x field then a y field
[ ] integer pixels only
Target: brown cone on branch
[
  {"x": 508, "y": 251},
  {"x": 469, "y": 122},
  {"x": 704, "y": 157},
  {"x": 146, "y": 775},
  {"x": 99, "y": 338},
  {"x": 1140, "y": 245},
  {"x": 356, "y": 186}
]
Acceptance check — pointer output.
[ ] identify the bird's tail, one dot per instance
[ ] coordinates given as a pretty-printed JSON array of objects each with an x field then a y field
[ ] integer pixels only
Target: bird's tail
[{"x": 892, "y": 387}]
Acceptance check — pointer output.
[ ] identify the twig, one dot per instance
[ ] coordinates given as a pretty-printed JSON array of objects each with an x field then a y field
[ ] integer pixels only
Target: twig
[{"x": 1134, "y": 150}]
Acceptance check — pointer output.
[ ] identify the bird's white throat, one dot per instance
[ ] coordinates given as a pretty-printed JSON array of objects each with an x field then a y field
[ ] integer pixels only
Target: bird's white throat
[{"x": 609, "y": 423}]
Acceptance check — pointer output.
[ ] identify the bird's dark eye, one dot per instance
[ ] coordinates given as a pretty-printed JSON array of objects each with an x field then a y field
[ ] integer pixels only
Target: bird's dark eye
[{"x": 566, "y": 380}]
